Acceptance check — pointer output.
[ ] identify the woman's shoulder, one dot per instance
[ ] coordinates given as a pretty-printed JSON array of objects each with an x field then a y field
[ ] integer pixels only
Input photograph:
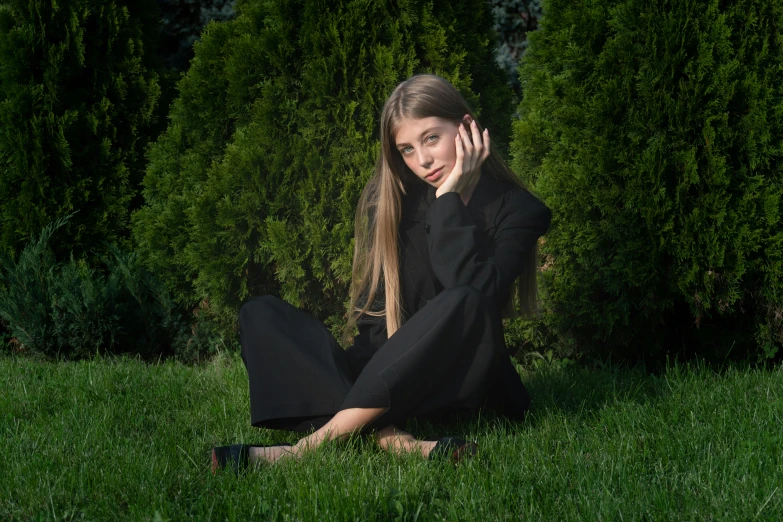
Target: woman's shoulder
[{"x": 517, "y": 204}]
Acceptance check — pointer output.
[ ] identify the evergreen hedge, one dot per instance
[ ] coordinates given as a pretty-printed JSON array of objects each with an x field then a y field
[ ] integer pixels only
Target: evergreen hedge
[
  {"x": 654, "y": 130},
  {"x": 253, "y": 187},
  {"x": 74, "y": 309},
  {"x": 78, "y": 93}
]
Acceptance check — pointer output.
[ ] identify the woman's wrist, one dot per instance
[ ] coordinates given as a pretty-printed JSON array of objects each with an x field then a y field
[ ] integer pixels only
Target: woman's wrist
[
  {"x": 441, "y": 191},
  {"x": 464, "y": 192}
]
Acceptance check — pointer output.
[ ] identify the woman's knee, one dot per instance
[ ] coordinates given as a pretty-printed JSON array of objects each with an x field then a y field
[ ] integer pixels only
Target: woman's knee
[{"x": 471, "y": 303}]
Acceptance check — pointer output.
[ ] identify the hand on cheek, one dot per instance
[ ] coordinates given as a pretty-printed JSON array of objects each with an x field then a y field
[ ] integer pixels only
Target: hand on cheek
[{"x": 471, "y": 154}]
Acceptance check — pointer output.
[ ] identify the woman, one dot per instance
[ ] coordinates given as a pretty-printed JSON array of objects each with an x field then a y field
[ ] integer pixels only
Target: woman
[{"x": 443, "y": 230}]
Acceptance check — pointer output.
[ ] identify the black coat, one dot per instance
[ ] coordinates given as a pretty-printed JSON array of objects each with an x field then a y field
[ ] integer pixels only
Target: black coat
[
  {"x": 457, "y": 266},
  {"x": 445, "y": 244}
]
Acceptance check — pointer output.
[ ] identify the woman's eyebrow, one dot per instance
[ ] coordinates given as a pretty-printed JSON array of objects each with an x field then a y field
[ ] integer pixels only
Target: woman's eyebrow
[{"x": 426, "y": 131}]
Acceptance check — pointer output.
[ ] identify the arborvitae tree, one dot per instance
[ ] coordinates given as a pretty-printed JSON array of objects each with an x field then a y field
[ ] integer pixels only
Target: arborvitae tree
[
  {"x": 77, "y": 94},
  {"x": 253, "y": 187},
  {"x": 654, "y": 130},
  {"x": 73, "y": 310}
]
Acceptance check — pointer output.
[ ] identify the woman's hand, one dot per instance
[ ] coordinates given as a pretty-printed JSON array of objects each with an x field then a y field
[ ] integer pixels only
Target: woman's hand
[{"x": 467, "y": 168}]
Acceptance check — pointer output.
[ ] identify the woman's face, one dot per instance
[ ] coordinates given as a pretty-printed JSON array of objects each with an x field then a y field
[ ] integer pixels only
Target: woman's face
[{"x": 427, "y": 146}]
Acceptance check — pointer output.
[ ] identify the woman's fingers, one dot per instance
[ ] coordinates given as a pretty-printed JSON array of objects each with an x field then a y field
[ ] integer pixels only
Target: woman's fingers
[
  {"x": 478, "y": 145},
  {"x": 469, "y": 163},
  {"x": 458, "y": 163},
  {"x": 466, "y": 142}
]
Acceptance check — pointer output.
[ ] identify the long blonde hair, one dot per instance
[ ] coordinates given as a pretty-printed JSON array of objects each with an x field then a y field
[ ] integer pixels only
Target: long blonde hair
[{"x": 376, "y": 256}]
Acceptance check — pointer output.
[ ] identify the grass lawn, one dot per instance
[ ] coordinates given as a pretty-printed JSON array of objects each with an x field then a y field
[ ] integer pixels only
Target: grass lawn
[{"x": 120, "y": 439}]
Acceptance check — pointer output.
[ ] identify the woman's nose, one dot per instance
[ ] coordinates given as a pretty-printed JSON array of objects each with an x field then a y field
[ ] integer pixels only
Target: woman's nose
[{"x": 425, "y": 158}]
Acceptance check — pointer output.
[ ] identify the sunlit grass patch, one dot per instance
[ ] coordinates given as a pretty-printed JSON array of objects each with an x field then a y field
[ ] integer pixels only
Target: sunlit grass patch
[{"x": 122, "y": 439}]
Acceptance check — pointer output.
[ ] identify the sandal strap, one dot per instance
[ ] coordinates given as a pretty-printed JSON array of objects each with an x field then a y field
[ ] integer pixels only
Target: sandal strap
[
  {"x": 452, "y": 448},
  {"x": 237, "y": 456},
  {"x": 240, "y": 456}
]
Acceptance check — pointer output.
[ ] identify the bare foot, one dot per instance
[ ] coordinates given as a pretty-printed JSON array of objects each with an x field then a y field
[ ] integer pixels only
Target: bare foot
[
  {"x": 426, "y": 446},
  {"x": 400, "y": 441},
  {"x": 270, "y": 454}
]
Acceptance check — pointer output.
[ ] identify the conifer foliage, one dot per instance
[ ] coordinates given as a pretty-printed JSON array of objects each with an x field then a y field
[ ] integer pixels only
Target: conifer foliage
[
  {"x": 253, "y": 187},
  {"x": 71, "y": 309},
  {"x": 77, "y": 95},
  {"x": 654, "y": 130}
]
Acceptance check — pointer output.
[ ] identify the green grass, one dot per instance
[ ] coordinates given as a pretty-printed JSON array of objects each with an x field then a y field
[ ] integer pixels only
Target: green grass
[{"x": 121, "y": 439}]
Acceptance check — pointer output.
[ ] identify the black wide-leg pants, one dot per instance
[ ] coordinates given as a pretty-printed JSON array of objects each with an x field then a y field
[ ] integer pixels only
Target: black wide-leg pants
[{"x": 447, "y": 357}]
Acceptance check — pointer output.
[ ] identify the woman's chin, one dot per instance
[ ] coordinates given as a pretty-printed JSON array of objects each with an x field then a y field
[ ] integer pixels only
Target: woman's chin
[{"x": 440, "y": 181}]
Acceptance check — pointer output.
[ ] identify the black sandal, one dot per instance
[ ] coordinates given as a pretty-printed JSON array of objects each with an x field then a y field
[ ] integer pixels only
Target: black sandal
[
  {"x": 453, "y": 448},
  {"x": 236, "y": 456}
]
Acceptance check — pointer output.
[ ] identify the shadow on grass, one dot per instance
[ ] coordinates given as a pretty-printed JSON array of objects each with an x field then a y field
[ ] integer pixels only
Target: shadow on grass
[
  {"x": 572, "y": 392},
  {"x": 576, "y": 391}
]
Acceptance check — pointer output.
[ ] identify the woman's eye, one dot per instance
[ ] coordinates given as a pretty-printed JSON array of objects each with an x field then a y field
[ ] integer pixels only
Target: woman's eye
[
  {"x": 406, "y": 150},
  {"x": 432, "y": 137}
]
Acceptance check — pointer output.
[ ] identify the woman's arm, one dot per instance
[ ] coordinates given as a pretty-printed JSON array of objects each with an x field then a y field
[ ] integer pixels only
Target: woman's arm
[{"x": 457, "y": 258}]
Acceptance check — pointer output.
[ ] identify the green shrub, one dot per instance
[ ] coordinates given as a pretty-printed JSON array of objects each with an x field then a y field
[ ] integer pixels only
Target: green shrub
[
  {"x": 77, "y": 95},
  {"x": 253, "y": 187},
  {"x": 654, "y": 130},
  {"x": 74, "y": 310}
]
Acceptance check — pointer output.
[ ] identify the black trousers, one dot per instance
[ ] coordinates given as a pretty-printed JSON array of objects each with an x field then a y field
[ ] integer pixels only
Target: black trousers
[{"x": 447, "y": 357}]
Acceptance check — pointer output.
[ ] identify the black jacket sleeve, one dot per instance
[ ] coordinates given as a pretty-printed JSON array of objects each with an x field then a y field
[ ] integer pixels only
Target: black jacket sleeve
[{"x": 460, "y": 258}]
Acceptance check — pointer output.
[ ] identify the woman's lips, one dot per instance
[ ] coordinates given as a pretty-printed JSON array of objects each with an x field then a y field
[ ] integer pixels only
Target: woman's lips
[{"x": 435, "y": 175}]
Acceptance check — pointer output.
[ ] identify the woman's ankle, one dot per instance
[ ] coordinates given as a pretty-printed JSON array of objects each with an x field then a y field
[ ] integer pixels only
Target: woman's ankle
[
  {"x": 406, "y": 443},
  {"x": 397, "y": 442},
  {"x": 270, "y": 454}
]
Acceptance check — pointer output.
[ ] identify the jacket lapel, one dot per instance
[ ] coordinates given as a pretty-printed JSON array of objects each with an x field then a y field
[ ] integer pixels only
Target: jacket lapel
[{"x": 417, "y": 256}]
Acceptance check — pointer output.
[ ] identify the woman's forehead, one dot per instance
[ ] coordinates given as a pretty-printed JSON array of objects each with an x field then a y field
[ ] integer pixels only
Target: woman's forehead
[{"x": 411, "y": 129}]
